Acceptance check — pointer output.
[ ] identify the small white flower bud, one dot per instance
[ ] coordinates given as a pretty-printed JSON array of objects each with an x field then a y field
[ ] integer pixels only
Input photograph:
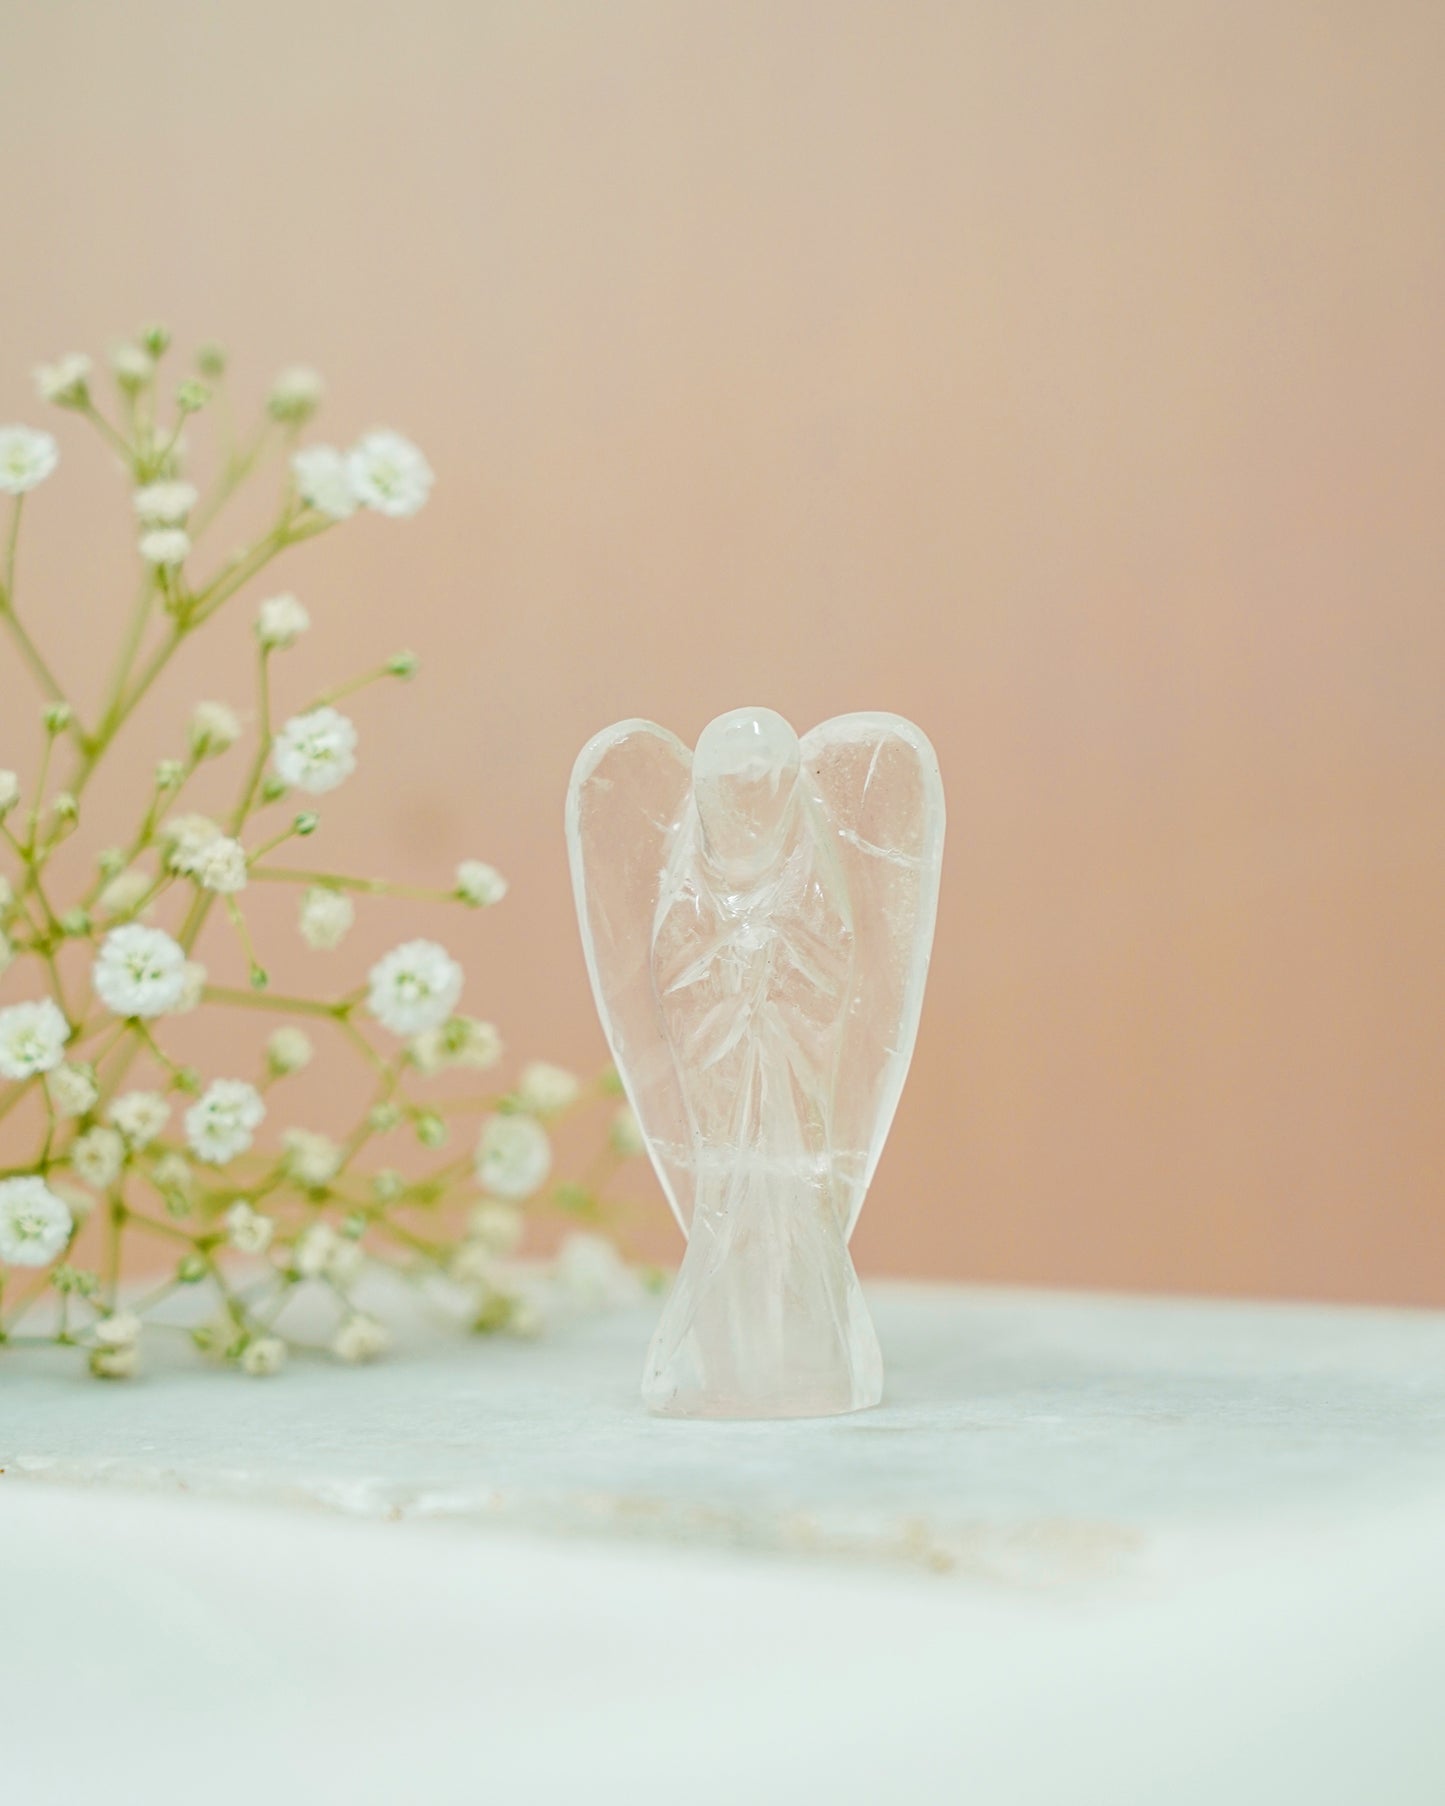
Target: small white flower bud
[
  {"x": 431, "y": 1130},
  {"x": 66, "y": 382},
  {"x": 247, "y": 1230},
  {"x": 479, "y": 884},
  {"x": 165, "y": 547},
  {"x": 265, "y": 1355},
  {"x": 132, "y": 367},
  {"x": 546, "y": 1089},
  {"x": 97, "y": 1157},
  {"x": 625, "y": 1133},
  {"x": 193, "y": 982},
  {"x": 114, "y": 1363},
  {"x": 310, "y": 1159},
  {"x": 119, "y": 1330},
  {"x": 280, "y": 622},
  {"x": 326, "y": 915},
  {"x": 288, "y": 1050},
  {"x": 172, "y": 1172},
  {"x": 185, "y": 838},
  {"x": 222, "y": 867},
  {"x": 295, "y": 395},
  {"x": 125, "y": 892},
  {"x": 140, "y": 1116},
  {"x": 214, "y": 729},
  {"x": 164, "y": 504},
  {"x": 360, "y": 1339},
  {"x": 497, "y": 1226},
  {"x": 72, "y": 1089}
]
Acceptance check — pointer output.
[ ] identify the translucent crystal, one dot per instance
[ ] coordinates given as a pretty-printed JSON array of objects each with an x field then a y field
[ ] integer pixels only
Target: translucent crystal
[{"x": 757, "y": 918}]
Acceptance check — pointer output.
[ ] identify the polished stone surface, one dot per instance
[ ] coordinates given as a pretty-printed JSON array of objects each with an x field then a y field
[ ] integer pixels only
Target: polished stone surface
[
  {"x": 1033, "y": 1438},
  {"x": 1088, "y": 1549}
]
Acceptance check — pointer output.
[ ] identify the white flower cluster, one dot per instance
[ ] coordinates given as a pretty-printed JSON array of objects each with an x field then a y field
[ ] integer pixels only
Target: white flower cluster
[
  {"x": 32, "y": 1038},
  {"x": 316, "y": 752},
  {"x": 27, "y": 457},
  {"x": 326, "y": 915},
  {"x": 514, "y": 1156},
  {"x": 414, "y": 988},
  {"x": 222, "y": 1165},
  {"x": 224, "y": 1120},
  {"x": 280, "y": 622},
  {"x": 382, "y": 471},
  {"x": 140, "y": 971},
  {"x": 34, "y": 1224}
]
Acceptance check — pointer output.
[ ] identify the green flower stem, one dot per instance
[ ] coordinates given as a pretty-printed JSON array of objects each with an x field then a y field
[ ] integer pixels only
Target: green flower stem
[
  {"x": 238, "y": 466},
  {"x": 156, "y": 1051},
  {"x": 363, "y": 680},
  {"x": 115, "y": 1222},
  {"x": 247, "y": 798},
  {"x": 163, "y": 882},
  {"x": 158, "y": 1226},
  {"x": 52, "y": 967},
  {"x": 202, "y": 607},
  {"x": 12, "y": 539},
  {"x": 156, "y": 1296},
  {"x": 372, "y": 887},
  {"x": 386, "y": 1090},
  {"x": 362, "y": 1045},
  {"x": 439, "y": 1252},
  {"x": 265, "y": 1000},
  {"x": 120, "y": 1027},
  {"x": 29, "y": 651},
  {"x": 120, "y": 445},
  {"x": 161, "y": 801},
  {"x": 31, "y": 886},
  {"x": 289, "y": 531},
  {"x": 243, "y": 935},
  {"x": 126, "y": 704},
  {"x": 27, "y": 852},
  {"x": 130, "y": 646},
  {"x": 289, "y": 832},
  {"x": 44, "y": 676}
]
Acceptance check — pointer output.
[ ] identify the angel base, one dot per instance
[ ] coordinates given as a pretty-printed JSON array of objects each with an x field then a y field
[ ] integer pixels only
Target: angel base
[{"x": 766, "y": 1317}]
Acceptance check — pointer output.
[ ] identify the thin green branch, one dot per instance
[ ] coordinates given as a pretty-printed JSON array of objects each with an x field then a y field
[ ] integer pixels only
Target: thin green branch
[{"x": 266, "y": 1000}]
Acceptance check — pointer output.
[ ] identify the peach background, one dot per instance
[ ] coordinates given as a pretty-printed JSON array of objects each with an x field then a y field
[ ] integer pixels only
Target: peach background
[{"x": 1069, "y": 379}]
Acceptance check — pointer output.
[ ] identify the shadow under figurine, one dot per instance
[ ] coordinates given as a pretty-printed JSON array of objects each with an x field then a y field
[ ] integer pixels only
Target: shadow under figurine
[{"x": 757, "y": 918}]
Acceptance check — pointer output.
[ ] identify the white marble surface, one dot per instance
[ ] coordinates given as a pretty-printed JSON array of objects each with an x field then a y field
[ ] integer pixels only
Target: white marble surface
[{"x": 1088, "y": 1549}]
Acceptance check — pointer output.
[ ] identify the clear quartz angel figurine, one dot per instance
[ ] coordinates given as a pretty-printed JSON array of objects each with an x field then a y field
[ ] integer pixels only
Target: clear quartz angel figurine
[{"x": 757, "y": 918}]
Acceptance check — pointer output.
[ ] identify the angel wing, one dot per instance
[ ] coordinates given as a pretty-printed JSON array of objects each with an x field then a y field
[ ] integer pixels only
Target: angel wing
[
  {"x": 627, "y": 796},
  {"x": 878, "y": 779}
]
